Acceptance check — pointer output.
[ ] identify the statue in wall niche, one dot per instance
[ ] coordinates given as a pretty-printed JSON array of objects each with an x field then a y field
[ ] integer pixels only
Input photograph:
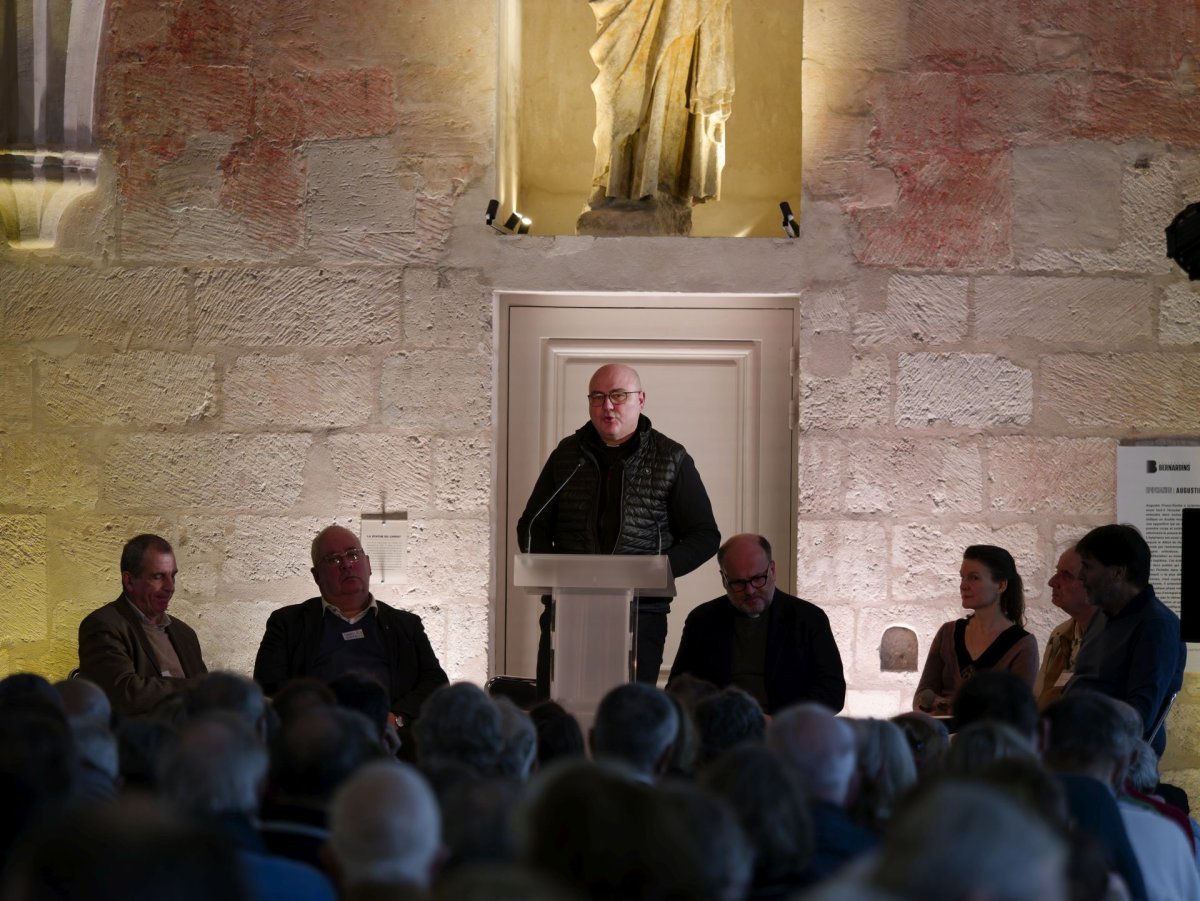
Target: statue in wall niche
[{"x": 663, "y": 93}]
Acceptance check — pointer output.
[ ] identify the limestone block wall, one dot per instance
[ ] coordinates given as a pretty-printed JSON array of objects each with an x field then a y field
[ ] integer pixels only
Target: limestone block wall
[{"x": 276, "y": 310}]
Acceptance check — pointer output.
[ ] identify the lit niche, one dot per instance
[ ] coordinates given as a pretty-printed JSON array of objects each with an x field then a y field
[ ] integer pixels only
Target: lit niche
[
  {"x": 590, "y": 91},
  {"x": 48, "y": 58}
]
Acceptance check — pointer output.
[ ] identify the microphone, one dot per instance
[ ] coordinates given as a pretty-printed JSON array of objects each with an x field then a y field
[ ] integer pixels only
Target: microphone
[{"x": 529, "y": 530}]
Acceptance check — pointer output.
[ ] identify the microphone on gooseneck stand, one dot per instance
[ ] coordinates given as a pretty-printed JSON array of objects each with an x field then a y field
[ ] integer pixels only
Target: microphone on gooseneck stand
[{"x": 529, "y": 531}]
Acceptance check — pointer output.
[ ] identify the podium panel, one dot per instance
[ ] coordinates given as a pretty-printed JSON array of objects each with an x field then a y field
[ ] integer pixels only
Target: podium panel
[{"x": 592, "y": 634}]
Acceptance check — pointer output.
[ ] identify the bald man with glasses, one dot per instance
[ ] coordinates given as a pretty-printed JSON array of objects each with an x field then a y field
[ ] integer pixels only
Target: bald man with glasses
[
  {"x": 776, "y": 647},
  {"x": 619, "y": 486},
  {"x": 345, "y": 629}
]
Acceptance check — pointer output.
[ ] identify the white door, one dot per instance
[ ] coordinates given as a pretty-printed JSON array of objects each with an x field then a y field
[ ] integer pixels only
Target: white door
[{"x": 719, "y": 377}]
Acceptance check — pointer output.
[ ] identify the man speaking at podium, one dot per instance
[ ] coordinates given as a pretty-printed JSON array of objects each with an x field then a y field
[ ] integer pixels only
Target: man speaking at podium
[{"x": 618, "y": 486}]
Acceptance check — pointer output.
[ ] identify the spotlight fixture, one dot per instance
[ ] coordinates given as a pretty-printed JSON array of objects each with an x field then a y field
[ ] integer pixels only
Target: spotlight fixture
[
  {"x": 791, "y": 227},
  {"x": 1183, "y": 240},
  {"x": 515, "y": 224}
]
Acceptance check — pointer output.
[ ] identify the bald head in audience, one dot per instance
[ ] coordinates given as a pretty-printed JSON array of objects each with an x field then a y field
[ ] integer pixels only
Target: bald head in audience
[
  {"x": 820, "y": 748},
  {"x": 386, "y": 828}
]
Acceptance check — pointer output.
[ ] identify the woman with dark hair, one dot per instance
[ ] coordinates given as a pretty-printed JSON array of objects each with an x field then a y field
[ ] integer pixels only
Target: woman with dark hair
[{"x": 991, "y": 637}]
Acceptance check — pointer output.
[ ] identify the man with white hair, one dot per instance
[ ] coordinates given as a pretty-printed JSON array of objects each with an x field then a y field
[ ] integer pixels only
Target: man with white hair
[
  {"x": 1058, "y": 662},
  {"x": 386, "y": 832},
  {"x": 820, "y": 749}
]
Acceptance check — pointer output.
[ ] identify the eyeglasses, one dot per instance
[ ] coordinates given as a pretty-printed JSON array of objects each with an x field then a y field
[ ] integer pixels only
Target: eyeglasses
[
  {"x": 742, "y": 584},
  {"x": 618, "y": 397},
  {"x": 350, "y": 556}
]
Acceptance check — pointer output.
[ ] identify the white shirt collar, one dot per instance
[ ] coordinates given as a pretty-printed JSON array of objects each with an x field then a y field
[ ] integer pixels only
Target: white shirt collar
[{"x": 350, "y": 619}]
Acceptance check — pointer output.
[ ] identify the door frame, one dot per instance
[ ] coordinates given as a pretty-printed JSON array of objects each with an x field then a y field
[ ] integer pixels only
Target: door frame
[{"x": 503, "y": 301}]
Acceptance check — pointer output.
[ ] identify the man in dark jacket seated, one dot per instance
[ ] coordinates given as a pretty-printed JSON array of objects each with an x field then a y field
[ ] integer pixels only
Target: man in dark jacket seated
[
  {"x": 776, "y": 647},
  {"x": 346, "y": 629}
]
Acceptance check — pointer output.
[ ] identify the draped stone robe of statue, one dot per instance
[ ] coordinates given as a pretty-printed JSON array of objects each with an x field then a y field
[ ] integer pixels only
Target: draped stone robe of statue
[{"x": 663, "y": 93}]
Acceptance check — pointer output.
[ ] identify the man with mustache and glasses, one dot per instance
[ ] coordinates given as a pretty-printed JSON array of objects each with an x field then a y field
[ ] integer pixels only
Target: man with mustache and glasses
[{"x": 776, "y": 647}]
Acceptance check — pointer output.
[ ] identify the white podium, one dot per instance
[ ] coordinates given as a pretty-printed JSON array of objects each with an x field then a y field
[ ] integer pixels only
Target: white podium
[{"x": 592, "y": 630}]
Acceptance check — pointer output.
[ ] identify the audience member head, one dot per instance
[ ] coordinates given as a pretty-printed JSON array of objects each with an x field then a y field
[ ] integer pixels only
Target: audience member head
[
  {"x": 460, "y": 723},
  {"x": 984, "y": 743},
  {"x": 1003, "y": 569},
  {"x": 885, "y": 770},
  {"x": 316, "y": 751},
  {"x": 558, "y": 733},
  {"x": 1143, "y": 771},
  {"x": 819, "y": 746},
  {"x": 725, "y": 720},
  {"x": 89, "y": 715},
  {"x": 215, "y": 765},
  {"x": 769, "y": 802},
  {"x": 690, "y": 690},
  {"x": 928, "y": 739},
  {"x": 997, "y": 695},
  {"x": 385, "y": 827},
  {"x": 518, "y": 741},
  {"x": 686, "y": 748},
  {"x": 38, "y": 767},
  {"x": 1030, "y": 784},
  {"x": 1026, "y": 780},
  {"x": 477, "y": 821},
  {"x": 501, "y": 882},
  {"x": 1066, "y": 591},
  {"x": 1084, "y": 732},
  {"x": 231, "y": 693},
  {"x": 300, "y": 694},
  {"x": 363, "y": 694},
  {"x": 1120, "y": 547},
  {"x": 84, "y": 702},
  {"x": 140, "y": 741},
  {"x": 942, "y": 847},
  {"x": 29, "y": 690},
  {"x": 132, "y": 849},
  {"x": 708, "y": 835},
  {"x": 644, "y": 851},
  {"x": 637, "y": 725},
  {"x": 97, "y": 749},
  {"x": 445, "y": 775}
]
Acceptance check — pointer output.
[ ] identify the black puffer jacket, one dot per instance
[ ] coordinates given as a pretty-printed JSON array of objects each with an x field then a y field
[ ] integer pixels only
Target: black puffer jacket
[{"x": 664, "y": 506}]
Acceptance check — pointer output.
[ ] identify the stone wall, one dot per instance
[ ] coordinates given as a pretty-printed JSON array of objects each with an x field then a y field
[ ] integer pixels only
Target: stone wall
[{"x": 276, "y": 310}]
